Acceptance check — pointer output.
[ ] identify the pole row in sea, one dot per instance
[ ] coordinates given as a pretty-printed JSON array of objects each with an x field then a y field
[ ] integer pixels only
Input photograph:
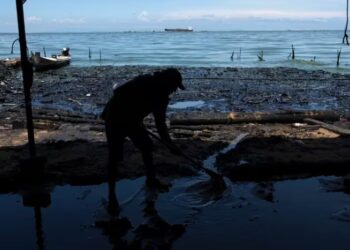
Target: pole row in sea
[{"x": 291, "y": 55}]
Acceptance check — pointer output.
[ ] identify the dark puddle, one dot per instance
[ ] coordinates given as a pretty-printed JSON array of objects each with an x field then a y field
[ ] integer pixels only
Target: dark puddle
[
  {"x": 294, "y": 214},
  {"x": 187, "y": 104}
]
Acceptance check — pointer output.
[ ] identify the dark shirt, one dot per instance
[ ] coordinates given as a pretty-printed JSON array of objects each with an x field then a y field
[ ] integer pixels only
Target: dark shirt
[{"x": 134, "y": 100}]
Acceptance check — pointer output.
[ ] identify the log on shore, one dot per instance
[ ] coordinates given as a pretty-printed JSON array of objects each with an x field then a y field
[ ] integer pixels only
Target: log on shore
[
  {"x": 204, "y": 118},
  {"x": 257, "y": 117}
]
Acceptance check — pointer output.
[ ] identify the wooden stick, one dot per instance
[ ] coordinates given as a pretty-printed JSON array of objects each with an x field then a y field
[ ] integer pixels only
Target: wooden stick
[
  {"x": 67, "y": 119},
  {"x": 331, "y": 127},
  {"x": 338, "y": 57}
]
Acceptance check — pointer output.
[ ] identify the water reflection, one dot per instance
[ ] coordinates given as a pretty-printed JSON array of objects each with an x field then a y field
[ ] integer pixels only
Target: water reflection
[
  {"x": 37, "y": 195},
  {"x": 149, "y": 218},
  {"x": 264, "y": 191},
  {"x": 153, "y": 233}
]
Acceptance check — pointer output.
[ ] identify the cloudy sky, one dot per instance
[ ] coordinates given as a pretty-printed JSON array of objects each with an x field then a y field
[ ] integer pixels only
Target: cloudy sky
[{"x": 147, "y": 15}]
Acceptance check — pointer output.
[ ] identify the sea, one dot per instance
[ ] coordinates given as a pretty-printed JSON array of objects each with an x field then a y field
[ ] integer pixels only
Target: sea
[{"x": 314, "y": 50}]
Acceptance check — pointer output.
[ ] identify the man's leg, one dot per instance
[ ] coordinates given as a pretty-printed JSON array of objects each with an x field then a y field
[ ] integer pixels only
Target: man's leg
[
  {"x": 140, "y": 138},
  {"x": 115, "y": 142}
]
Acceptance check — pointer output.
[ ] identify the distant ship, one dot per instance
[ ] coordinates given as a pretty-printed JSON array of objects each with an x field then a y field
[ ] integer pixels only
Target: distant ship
[{"x": 189, "y": 29}]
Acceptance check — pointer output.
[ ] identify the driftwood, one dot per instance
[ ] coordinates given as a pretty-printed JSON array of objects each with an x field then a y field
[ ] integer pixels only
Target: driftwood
[
  {"x": 331, "y": 127},
  {"x": 202, "y": 119},
  {"x": 67, "y": 119},
  {"x": 258, "y": 117},
  {"x": 193, "y": 128}
]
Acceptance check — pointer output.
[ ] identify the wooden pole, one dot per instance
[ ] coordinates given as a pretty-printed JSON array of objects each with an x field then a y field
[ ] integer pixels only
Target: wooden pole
[
  {"x": 338, "y": 57},
  {"x": 13, "y": 44},
  {"x": 346, "y": 37},
  {"x": 27, "y": 71},
  {"x": 100, "y": 57}
]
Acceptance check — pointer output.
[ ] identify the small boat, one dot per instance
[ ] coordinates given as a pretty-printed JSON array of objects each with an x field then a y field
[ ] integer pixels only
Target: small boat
[
  {"x": 41, "y": 63},
  {"x": 11, "y": 62},
  {"x": 189, "y": 29}
]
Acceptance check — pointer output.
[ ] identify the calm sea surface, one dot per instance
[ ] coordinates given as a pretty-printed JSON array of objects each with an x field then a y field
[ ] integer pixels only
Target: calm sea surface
[{"x": 314, "y": 49}]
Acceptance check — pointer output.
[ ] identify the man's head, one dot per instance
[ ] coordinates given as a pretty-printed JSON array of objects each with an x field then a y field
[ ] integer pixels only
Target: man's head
[{"x": 171, "y": 77}]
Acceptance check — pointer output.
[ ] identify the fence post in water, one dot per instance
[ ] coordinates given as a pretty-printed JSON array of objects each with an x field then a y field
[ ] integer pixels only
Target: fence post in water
[
  {"x": 232, "y": 55},
  {"x": 338, "y": 57},
  {"x": 44, "y": 51},
  {"x": 261, "y": 55},
  {"x": 346, "y": 37},
  {"x": 100, "y": 57},
  {"x": 89, "y": 53},
  {"x": 13, "y": 43},
  {"x": 292, "y": 54}
]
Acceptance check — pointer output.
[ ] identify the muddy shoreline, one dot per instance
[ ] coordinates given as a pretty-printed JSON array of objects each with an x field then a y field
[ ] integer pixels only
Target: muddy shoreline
[
  {"x": 86, "y": 90},
  {"x": 75, "y": 147}
]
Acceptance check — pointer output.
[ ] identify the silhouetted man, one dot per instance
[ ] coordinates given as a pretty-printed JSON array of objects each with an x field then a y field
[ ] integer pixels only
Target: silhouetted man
[{"x": 125, "y": 111}]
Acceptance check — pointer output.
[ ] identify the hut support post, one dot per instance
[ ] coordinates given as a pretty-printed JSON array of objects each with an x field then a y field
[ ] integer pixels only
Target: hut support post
[{"x": 27, "y": 71}]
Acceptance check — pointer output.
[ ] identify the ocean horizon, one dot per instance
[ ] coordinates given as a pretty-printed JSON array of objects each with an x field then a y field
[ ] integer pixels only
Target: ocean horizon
[{"x": 314, "y": 49}]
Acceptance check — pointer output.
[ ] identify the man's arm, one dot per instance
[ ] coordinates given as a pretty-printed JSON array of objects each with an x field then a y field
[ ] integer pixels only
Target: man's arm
[{"x": 160, "y": 116}]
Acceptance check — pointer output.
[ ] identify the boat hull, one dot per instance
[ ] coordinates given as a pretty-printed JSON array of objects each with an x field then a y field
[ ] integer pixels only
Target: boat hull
[{"x": 45, "y": 63}]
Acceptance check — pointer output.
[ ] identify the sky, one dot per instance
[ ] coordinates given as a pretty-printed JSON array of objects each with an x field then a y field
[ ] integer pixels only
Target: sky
[{"x": 149, "y": 15}]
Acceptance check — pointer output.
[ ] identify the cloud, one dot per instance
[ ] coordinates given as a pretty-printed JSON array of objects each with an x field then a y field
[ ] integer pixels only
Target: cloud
[
  {"x": 143, "y": 16},
  {"x": 69, "y": 21},
  {"x": 34, "y": 19},
  {"x": 251, "y": 14}
]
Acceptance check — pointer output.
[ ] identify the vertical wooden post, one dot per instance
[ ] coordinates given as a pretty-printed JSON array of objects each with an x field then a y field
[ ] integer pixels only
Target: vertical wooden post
[
  {"x": 100, "y": 57},
  {"x": 338, "y": 57},
  {"x": 346, "y": 37},
  {"x": 27, "y": 71}
]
